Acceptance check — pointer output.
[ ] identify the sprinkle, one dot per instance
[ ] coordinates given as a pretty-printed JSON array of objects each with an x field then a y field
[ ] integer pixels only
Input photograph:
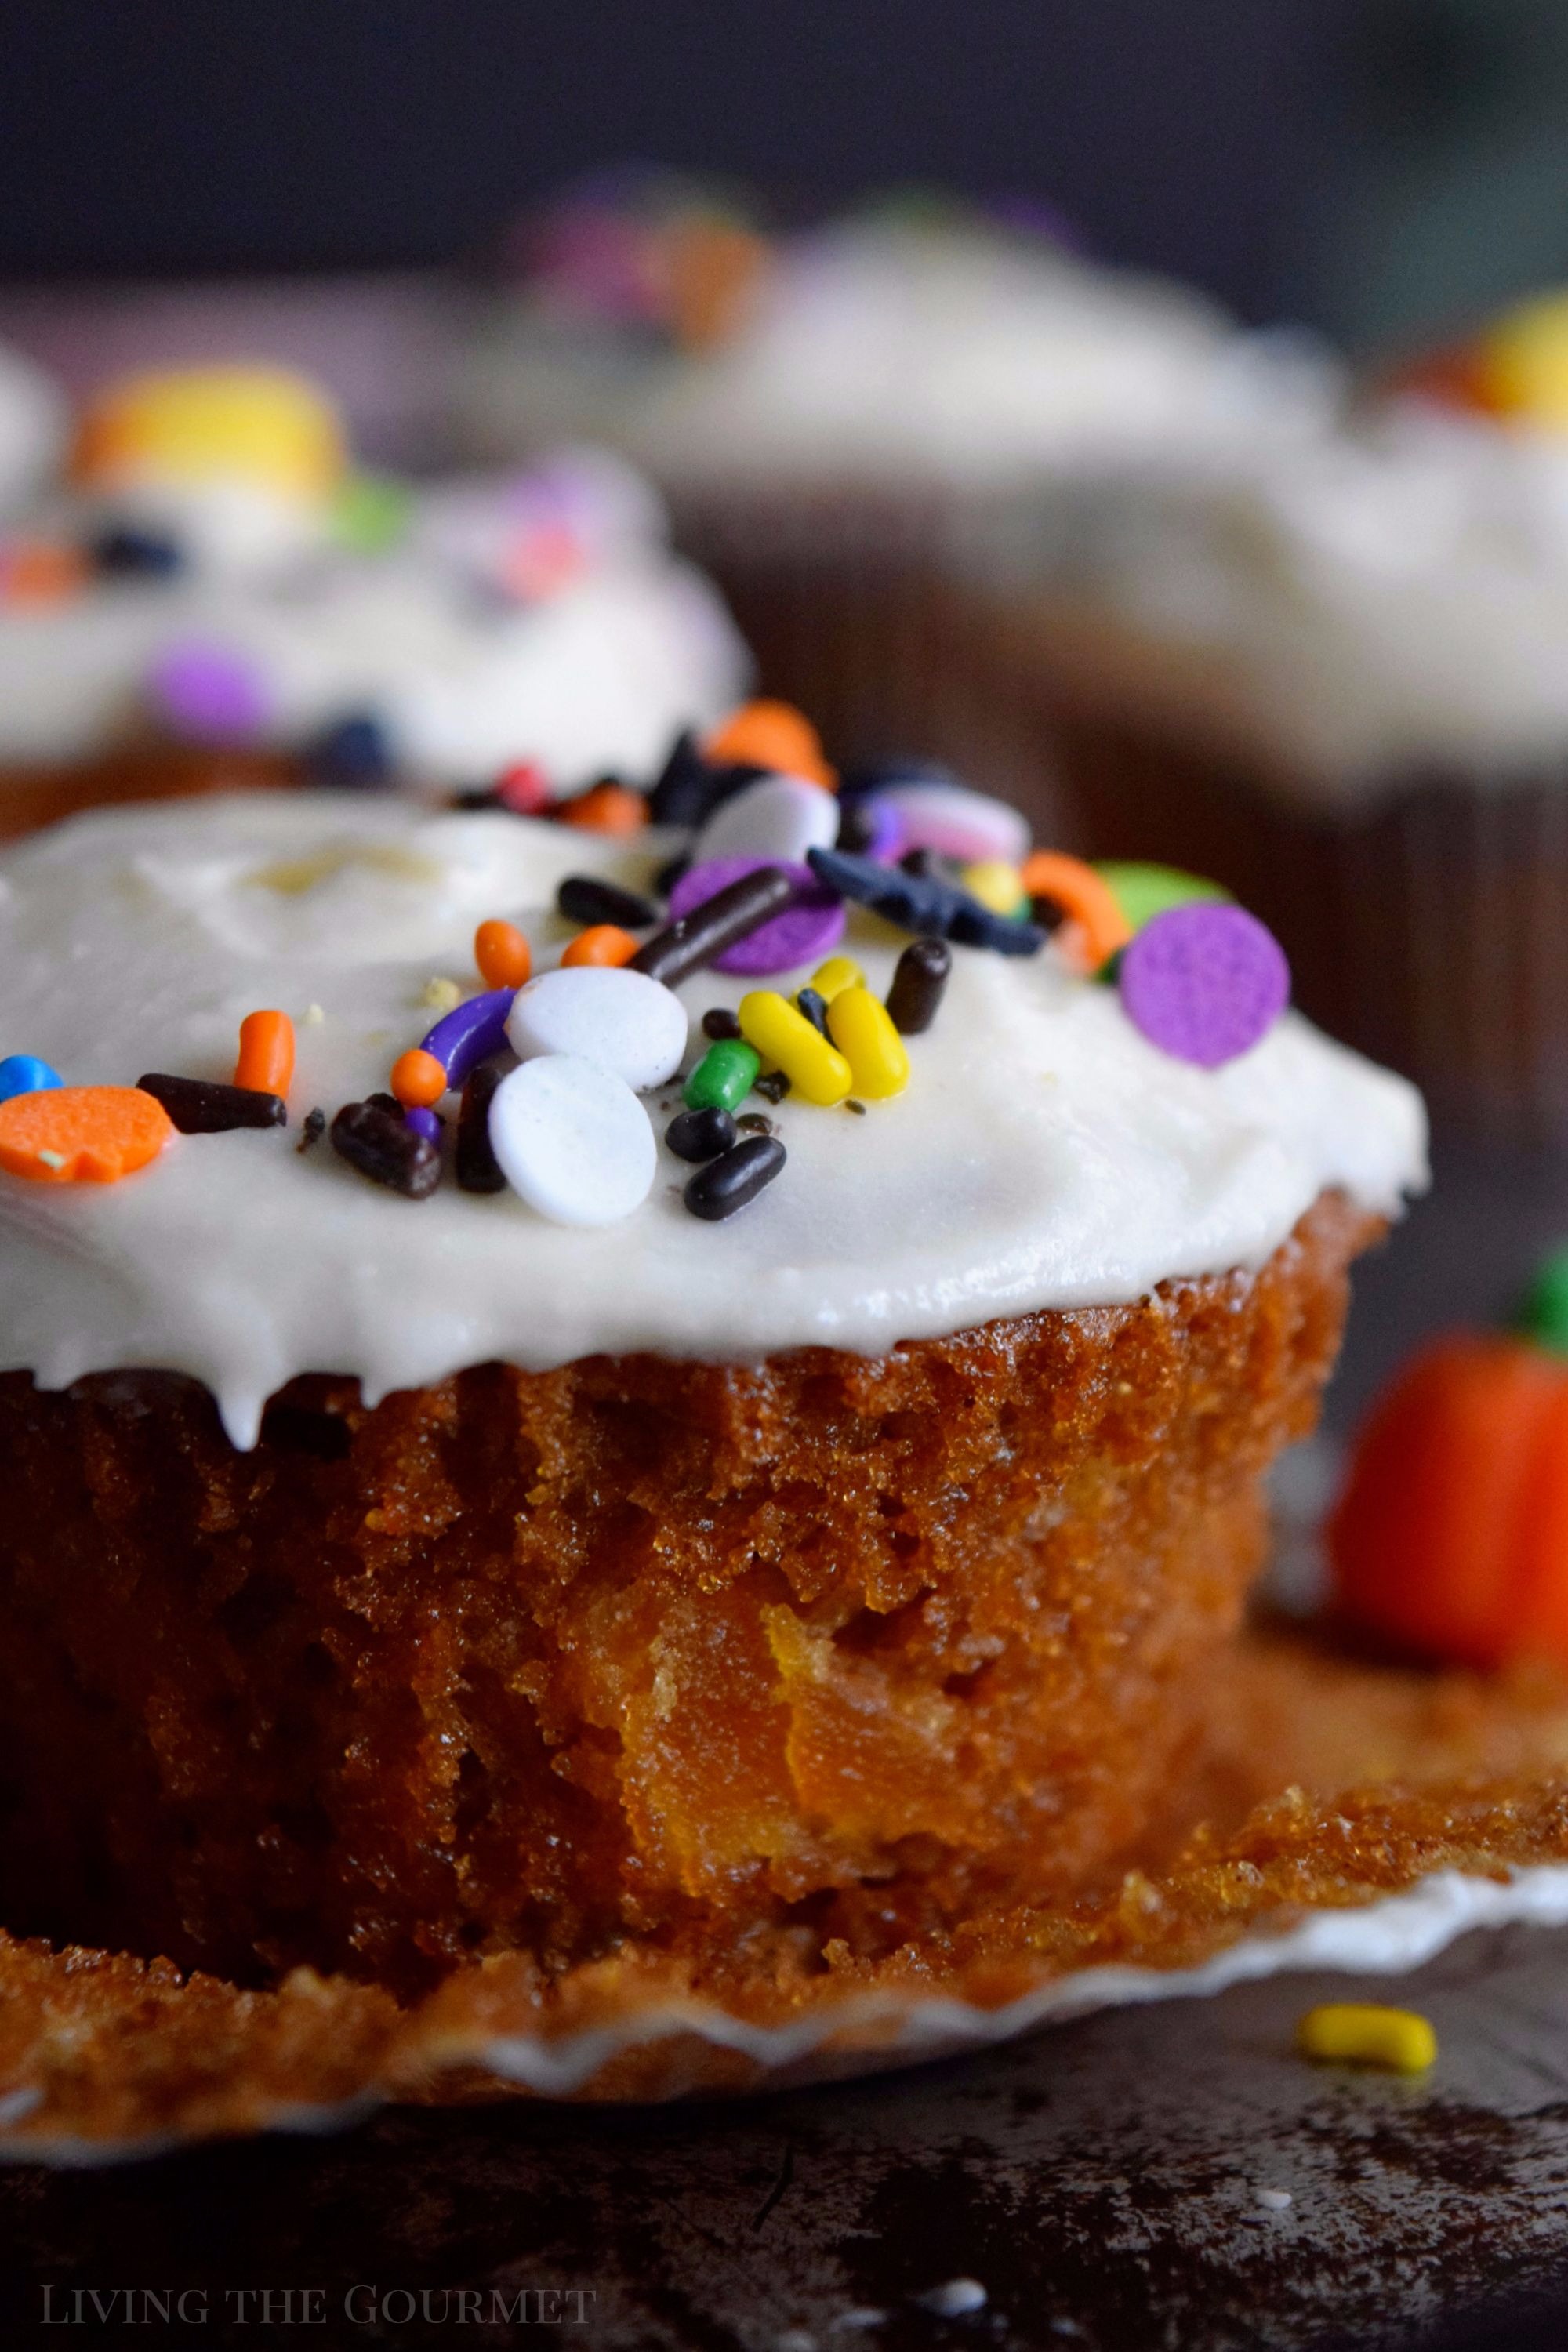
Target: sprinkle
[
  {"x": 933, "y": 909},
  {"x": 778, "y": 818},
  {"x": 723, "y": 1077},
  {"x": 266, "y": 1062},
  {"x": 973, "y": 828},
  {"x": 573, "y": 1139},
  {"x": 719, "y": 1021},
  {"x": 773, "y": 1085},
  {"x": 418, "y": 1079},
  {"x": 755, "y": 1122},
  {"x": 714, "y": 925},
  {"x": 420, "y": 1120},
  {"x": 808, "y": 1001},
  {"x": 1399, "y": 2039},
  {"x": 701, "y": 1134},
  {"x": 312, "y": 1129},
  {"x": 729, "y": 1182},
  {"x": 1142, "y": 891},
  {"x": 314, "y": 1017},
  {"x": 839, "y": 972},
  {"x": 858, "y": 1107},
  {"x": 209, "y": 693},
  {"x": 24, "y": 1074},
  {"x": 607, "y": 807},
  {"x": 524, "y": 789},
  {"x": 200, "y": 1108},
  {"x": 470, "y": 1034},
  {"x": 1095, "y": 926},
  {"x": 953, "y": 2299},
  {"x": 683, "y": 792},
  {"x": 780, "y": 1034},
  {"x": 670, "y": 874},
  {"x": 858, "y": 1025},
  {"x": 1204, "y": 983},
  {"x": 920, "y": 978},
  {"x": 440, "y": 995},
  {"x": 1275, "y": 2201},
  {"x": 773, "y": 736},
  {"x": 355, "y": 750},
  {"x": 82, "y": 1134},
  {"x": 585, "y": 898},
  {"x": 602, "y": 943},
  {"x": 620, "y": 1019},
  {"x": 811, "y": 921},
  {"x": 474, "y": 1163},
  {"x": 997, "y": 885},
  {"x": 386, "y": 1151},
  {"x": 124, "y": 553},
  {"x": 503, "y": 955}
]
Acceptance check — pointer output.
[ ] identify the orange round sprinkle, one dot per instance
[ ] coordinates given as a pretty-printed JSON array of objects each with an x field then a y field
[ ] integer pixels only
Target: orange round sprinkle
[
  {"x": 770, "y": 735},
  {"x": 503, "y": 956},
  {"x": 606, "y": 808},
  {"x": 266, "y": 1062},
  {"x": 601, "y": 943},
  {"x": 417, "y": 1077},
  {"x": 1095, "y": 926},
  {"x": 81, "y": 1135}
]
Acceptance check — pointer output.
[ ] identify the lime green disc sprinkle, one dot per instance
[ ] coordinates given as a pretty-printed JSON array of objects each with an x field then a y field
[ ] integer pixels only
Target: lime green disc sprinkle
[
  {"x": 1543, "y": 1316},
  {"x": 372, "y": 513},
  {"x": 1144, "y": 891}
]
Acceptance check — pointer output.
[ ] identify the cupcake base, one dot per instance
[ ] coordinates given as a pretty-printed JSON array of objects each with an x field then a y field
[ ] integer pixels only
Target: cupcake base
[{"x": 637, "y": 1657}]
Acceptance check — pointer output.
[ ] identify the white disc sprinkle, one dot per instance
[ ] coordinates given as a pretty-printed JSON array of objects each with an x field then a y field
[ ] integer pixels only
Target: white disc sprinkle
[
  {"x": 622, "y": 1020},
  {"x": 778, "y": 816},
  {"x": 573, "y": 1141}
]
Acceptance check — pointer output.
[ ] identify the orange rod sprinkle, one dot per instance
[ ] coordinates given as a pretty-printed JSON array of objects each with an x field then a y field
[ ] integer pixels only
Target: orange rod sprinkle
[
  {"x": 601, "y": 943},
  {"x": 266, "y": 1061},
  {"x": 503, "y": 956},
  {"x": 1095, "y": 926},
  {"x": 418, "y": 1078},
  {"x": 606, "y": 808}
]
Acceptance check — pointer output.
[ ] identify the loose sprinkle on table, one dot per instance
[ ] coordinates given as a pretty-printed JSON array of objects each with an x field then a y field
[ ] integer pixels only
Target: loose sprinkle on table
[{"x": 1400, "y": 2039}]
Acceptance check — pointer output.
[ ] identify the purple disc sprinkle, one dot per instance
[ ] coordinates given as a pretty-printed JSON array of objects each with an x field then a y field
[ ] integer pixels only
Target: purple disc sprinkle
[
  {"x": 470, "y": 1032},
  {"x": 424, "y": 1122},
  {"x": 889, "y": 835},
  {"x": 811, "y": 924},
  {"x": 1204, "y": 983},
  {"x": 209, "y": 693}
]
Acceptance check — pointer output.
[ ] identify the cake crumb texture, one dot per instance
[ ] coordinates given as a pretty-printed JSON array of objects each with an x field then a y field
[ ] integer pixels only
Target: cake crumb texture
[{"x": 637, "y": 1656}]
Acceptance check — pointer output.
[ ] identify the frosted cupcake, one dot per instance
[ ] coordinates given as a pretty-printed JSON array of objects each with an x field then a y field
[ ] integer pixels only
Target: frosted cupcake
[
  {"x": 1333, "y": 676},
  {"x": 867, "y": 384},
  {"x": 215, "y": 594},
  {"x": 624, "y": 1436}
]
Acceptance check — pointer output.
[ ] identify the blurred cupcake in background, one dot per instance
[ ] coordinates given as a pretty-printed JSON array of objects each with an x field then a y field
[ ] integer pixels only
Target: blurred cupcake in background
[
  {"x": 32, "y": 428},
  {"x": 1332, "y": 671},
  {"x": 214, "y": 595},
  {"x": 852, "y": 391}
]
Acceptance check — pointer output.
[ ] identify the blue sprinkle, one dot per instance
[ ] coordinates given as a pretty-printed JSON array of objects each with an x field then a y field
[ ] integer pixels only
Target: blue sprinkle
[
  {"x": 355, "y": 750},
  {"x": 932, "y": 909},
  {"x": 24, "y": 1074}
]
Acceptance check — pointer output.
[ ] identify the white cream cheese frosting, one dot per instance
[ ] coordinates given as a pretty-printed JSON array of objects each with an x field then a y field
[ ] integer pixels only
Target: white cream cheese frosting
[
  {"x": 1044, "y": 1154},
  {"x": 594, "y": 673},
  {"x": 1365, "y": 603},
  {"x": 895, "y": 353}
]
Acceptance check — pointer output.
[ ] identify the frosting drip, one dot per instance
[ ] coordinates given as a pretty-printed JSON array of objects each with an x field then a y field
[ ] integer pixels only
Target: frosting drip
[{"x": 1044, "y": 1155}]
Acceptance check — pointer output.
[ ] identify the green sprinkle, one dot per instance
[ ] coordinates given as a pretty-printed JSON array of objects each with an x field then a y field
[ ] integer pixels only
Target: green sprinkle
[
  {"x": 372, "y": 513},
  {"x": 724, "y": 1076},
  {"x": 1144, "y": 891},
  {"x": 1543, "y": 1315}
]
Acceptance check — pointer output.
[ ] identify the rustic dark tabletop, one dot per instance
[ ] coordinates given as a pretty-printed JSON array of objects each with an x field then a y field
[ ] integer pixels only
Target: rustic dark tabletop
[
  {"x": 1171, "y": 2177},
  {"x": 1166, "y": 2176}
]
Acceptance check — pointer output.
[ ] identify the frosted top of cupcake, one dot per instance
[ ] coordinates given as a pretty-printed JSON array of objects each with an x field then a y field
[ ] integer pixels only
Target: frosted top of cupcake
[
  {"x": 215, "y": 574},
  {"x": 1044, "y": 1154},
  {"x": 1355, "y": 606},
  {"x": 898, "y": 352}
]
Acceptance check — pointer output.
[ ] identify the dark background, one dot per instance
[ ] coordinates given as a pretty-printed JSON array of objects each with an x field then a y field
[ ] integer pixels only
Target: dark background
[{"x": 1374, "y": 165}]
